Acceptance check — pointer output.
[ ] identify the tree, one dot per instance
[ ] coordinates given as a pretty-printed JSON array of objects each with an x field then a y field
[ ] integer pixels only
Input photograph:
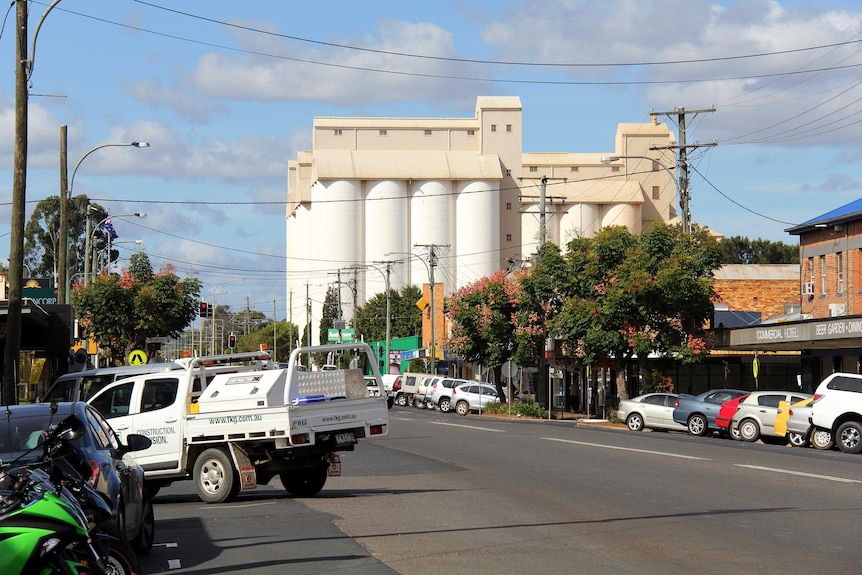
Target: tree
[
  {"x": 638, "y": 295},
  {"x": 741, "y": 250},
  {"x": 42, "y": 232},
  {"x": 482, "y": 318},
  {"x": 123, "y": 310},
  {"x": 369, "y": 320}
]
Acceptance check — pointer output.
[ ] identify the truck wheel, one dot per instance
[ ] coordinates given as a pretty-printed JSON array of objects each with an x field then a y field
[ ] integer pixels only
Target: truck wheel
[
  {"x": 216, "y": 480},
  {"x": 848, "y": 436},
  {"x": 401, "y": 400},
  {"x": 304, "y": 482}
]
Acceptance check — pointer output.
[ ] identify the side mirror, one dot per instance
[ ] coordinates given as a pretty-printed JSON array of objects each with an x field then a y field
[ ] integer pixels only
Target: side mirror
[{"x": 137, "y": 442}]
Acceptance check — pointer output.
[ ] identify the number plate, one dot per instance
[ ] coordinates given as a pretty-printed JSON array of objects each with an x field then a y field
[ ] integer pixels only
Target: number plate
[{"x": 342, "y": 439}]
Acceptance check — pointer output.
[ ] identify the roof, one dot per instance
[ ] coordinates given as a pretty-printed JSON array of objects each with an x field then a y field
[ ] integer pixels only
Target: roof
[
  {"x": 757, "y": 272},
  {"x": 846, "y": 213}
]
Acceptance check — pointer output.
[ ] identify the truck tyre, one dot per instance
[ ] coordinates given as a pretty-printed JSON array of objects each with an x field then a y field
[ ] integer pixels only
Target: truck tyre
[
  {"x": 401, "y": 400},
  {"x": 848, "y": 436},
  {"x": 304, "y": 482},
  {"x": 216, "y": 480}
]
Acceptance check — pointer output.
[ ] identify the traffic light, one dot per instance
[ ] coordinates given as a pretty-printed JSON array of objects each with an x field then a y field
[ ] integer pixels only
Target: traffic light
[
  {"x": 205, "y": 309},
  {"x": 231, "y": 341}
]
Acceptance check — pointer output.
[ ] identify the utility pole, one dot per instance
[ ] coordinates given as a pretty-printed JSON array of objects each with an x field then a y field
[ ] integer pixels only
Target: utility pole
[
  {"x": 543, "y": 212},
  {"x": 388, "y": 316},
  {"x": 684, "y": 195},
  {"x": 432, "y": 263},
  {"x": 63, "y": 265},
  {"x": 11, "y": 358}
]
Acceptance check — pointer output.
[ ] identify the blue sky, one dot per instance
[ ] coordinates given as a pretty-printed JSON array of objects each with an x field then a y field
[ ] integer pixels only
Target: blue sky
[{"x": 225, "y": 93}]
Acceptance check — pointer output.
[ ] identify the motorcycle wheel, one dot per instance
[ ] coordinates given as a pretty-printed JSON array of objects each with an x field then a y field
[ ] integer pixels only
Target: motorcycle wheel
[{"x": 121, "y": 558}]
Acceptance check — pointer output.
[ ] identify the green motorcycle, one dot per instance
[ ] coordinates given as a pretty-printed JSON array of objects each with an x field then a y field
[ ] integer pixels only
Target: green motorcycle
[{"x": 42, "y": 530}]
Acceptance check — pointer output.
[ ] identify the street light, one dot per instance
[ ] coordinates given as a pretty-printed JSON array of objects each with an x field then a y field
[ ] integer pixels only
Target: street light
[
  {"x": 88, "y": 242},
  {"x": 65, "y": 198},
  {"x": 109, "y": 263},
  {"x": 388, "y": 313},
  {"x": 611, "y": 159},
  {"x": 430, "y": 267}
]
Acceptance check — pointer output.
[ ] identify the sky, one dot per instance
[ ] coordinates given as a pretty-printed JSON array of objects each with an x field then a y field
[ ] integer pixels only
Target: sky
[{"x": 225, "y": 93}]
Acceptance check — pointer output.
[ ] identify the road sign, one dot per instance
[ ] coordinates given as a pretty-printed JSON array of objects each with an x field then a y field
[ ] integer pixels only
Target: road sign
[
  {"x": 138, "y": 357},
  {"x": 341, "y": 336}
]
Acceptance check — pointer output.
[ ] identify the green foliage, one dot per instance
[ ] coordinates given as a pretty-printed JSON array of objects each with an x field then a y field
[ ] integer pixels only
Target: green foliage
[
  {"x": 284, "y": 334},
  {"x": 741, "y": 250},
  {"x": 122, "y": 311},
  {"x": 519, "y": 409},
  {"x": 42, "y": 232},
  {"x": 369, "y": 320}
]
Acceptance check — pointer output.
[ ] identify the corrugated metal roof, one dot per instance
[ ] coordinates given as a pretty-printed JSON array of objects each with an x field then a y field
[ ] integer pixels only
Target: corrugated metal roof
[
  {"x": 851, "y": 211},
  {"x": 757, "y": 272}
]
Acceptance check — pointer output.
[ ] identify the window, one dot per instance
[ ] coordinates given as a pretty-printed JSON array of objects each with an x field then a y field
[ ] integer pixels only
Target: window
[
  {"x": 383, "y": 132},
  {"x": 508, "y": 172},
  {"x": 508, "y": 237},
  {"x": 840, "y": 257},
  {"x": 471, "y": 132},
  {"x": 159, "y": 393},
  {"x": 615, "y": 168},
  {"x": 655, "y": 166},
  {"x": 574, "y": 169},
  {"x": 508, "y": 127},
  {"x": 656, "y": 192},
  {"x": 811, "y": 270},
  {"x": 822, "y": 274},
  {"x": 338, "y": 131},
  {"x": 508, "y": 205},
  {"x": 493, "y": 127},
  {"x": 427, "y": 132},
  {"x": 534, "y": 168},
  {"x": 114, "y": 402}
]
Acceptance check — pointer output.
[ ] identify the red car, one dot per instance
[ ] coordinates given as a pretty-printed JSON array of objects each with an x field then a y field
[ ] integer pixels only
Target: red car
[{"x": 725, "y": 414}]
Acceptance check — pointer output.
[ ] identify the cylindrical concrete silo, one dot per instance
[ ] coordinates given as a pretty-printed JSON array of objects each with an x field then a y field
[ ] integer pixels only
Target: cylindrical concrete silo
[
  {"x": 477, "y": 232},
  {"x": 628, "y": 215},
  {"x": 431, "y": 215},
  {"x": 386, "y": 222},
  {"x": 580, "y": 220}
]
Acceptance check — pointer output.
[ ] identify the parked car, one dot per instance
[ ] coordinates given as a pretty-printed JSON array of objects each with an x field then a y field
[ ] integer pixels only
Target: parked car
[
  {"x": 650, "y": 410},
  {"x": 755, "y": 415},
  {"x": 837, "y": 408},
  {"x": 441, "y": 392},
  {"x": 372, "y": 385},
  {"x": 409, "y": 381},
  {"x": 99, "y": 454},
  {"x": 422, "y": 397},
  {"x": 82, "y": 385},
  {"x": 725, "y": 415},
  {"x": 698, "y": 413},
  {"x": 473, "y": 396},
  {"x": 800, "y": 430}
]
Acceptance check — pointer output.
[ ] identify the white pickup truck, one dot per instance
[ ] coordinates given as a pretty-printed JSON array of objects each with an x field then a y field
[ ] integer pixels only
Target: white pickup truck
[{"x": 233, "y": 427}]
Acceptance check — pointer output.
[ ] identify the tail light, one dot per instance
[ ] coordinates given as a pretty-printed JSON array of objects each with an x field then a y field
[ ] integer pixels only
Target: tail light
[
  {"x": 93, "y": 479},
  {"x": 816, "y": 397},
  {"x": 676, "y": 403}
]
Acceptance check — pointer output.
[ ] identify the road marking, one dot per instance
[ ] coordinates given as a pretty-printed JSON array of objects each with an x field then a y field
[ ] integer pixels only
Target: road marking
[
  {"x": 166, "y": 545},
  {"x": 468, "y": 426},
  {"x": 662, "y": 453},
  {"x": 211, "y": 506},
  {"x": 800, "y": 473},
  {"x": 174, "y": 564}
]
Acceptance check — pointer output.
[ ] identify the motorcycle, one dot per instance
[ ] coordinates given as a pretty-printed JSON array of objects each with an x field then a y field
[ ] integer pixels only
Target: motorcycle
[
  {"x": 43, "y": 531},
  {"x": 55, "y": 483}
]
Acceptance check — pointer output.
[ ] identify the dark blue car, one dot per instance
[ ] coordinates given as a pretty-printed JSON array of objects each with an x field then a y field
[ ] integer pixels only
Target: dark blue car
[{"x": 698, "y": 413}]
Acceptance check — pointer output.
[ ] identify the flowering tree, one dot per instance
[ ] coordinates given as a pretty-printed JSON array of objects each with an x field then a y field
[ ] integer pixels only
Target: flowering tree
[
  {"x": 487, "y": 322},
  {"x": 123, "y": 310},
  {"x": 637, "y": 295}
]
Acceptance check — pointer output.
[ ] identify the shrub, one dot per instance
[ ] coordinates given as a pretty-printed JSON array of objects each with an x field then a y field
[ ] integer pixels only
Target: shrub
[{"x": 519, "y": 408}]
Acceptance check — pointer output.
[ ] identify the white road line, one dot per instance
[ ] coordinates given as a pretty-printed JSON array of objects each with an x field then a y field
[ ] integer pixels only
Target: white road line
[
  {"x": 174, "y": 564},
  {"x": 210, "y": 506},
  {"x": 800, "y": 473},
  {"x": 166, "y": 545},
  {"x": 662, "y": 453},
  {"x": 468, "y": 426}
]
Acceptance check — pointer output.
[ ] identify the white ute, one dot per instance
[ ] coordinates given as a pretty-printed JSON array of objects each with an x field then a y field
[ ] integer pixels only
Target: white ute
[{"x": 233, "y": 431}]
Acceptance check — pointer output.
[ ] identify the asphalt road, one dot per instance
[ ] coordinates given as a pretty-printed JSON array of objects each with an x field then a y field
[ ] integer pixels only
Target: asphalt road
[{"x": 448, "y": 494}]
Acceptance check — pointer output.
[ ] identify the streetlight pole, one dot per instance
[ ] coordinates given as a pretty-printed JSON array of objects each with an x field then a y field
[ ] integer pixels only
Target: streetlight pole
[
  {"x": 388, "y": 313},
  {"x": 89, "y": 244},
  {"x": 65, "y": 199}
]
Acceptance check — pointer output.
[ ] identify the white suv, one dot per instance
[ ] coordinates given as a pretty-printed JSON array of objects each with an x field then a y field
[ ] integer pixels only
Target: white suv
[
  {"x": 441, "y": 392},
  {"x": 837, "y": 407}
]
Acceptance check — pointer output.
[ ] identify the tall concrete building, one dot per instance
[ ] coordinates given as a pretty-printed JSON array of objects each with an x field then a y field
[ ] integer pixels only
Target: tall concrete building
[{"x": 456, "y": 196}]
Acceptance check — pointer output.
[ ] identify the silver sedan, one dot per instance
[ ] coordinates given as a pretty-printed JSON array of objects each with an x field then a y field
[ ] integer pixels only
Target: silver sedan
[{"x": 651, "y": 410}]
